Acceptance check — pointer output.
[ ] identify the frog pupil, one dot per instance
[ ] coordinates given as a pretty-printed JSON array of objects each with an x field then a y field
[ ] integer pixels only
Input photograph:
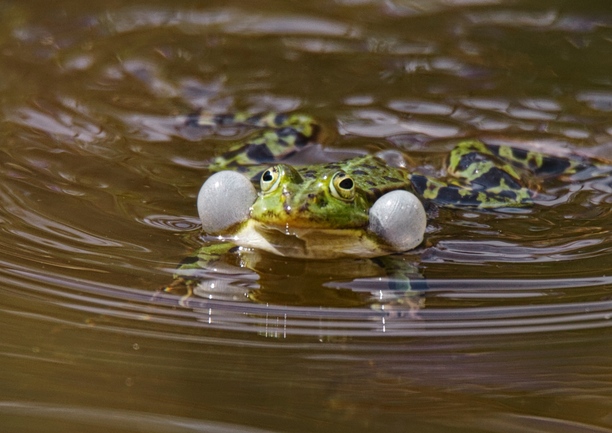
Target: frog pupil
[
  {"x": 267, "y": 176},
  {"x": 346, "y": 183}
]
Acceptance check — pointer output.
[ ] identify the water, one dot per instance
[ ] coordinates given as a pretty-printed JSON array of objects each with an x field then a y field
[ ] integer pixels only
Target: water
[{"x": 97, "y": 207}]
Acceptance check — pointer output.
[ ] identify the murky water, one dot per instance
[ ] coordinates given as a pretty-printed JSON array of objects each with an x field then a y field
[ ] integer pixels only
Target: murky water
[{"x": 98, "y": 179}]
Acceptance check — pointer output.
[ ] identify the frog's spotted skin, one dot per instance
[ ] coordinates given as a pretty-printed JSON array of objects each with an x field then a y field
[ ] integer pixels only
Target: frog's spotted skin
[
  {"x": 333, "y": 209},
  {"x": 478, "y": 175},
  {"x": 307, "y": 197},
  {"x": 282, "y": 136}
]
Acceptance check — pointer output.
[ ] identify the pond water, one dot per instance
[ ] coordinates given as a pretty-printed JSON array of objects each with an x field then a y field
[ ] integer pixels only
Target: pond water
[{"x": 98, "y": 181}]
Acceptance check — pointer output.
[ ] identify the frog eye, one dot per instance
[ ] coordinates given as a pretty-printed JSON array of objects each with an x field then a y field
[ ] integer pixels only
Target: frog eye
[
  {"x": 270, "y": 179},
  {"x": 342, "y": 186}
]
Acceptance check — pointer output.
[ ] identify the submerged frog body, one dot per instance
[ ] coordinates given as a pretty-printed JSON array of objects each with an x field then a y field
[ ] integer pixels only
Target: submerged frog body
[{"x": 359, "y": 207}]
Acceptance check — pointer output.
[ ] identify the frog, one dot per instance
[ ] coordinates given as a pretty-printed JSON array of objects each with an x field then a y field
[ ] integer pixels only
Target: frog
[
  {"x": 357, "y": 207},
  {"x": 365, "y": 206}
]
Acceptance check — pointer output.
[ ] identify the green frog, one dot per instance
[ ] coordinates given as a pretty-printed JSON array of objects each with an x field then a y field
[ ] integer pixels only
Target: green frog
[
  {"x": 358, "y": 207},
  {"x": 361, "y": 207}
]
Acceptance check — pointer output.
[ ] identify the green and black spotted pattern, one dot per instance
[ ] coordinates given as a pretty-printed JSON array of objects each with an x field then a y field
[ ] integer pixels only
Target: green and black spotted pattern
[{"x": 477, "y": 175}]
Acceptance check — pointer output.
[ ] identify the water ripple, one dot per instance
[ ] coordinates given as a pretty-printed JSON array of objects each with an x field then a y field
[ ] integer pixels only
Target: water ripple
[
  {"x": 172, "y": 222},
  {"x": 113, "y": 419},
  {"x": 516, "y": 423},
  {"x": 173, "y": 313}
]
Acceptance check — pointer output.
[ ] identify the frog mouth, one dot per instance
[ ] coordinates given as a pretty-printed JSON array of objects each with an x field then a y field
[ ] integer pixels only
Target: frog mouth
[{"x": 311, "y": 243}]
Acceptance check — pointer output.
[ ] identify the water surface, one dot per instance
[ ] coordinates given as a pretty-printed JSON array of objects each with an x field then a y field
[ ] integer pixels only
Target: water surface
[{"x": 98, "y": 179}]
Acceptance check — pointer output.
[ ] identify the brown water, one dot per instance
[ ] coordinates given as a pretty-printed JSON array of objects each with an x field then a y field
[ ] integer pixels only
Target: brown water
[{"x": 98, "y": 178}]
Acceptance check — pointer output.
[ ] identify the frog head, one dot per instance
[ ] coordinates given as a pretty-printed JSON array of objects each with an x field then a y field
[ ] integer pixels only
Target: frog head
[
  {"x": 315, "y": 211},
  {"x": 310, "y": 199}
]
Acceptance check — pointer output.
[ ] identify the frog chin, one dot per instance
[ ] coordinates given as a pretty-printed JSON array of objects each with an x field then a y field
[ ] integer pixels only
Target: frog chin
[{"x": 309, "y": 243}]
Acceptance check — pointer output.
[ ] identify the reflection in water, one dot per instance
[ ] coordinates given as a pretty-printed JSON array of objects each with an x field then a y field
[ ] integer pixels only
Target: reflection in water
[
  {"x": 206, "y": 312},
  {"x": 98, "y": 178}
]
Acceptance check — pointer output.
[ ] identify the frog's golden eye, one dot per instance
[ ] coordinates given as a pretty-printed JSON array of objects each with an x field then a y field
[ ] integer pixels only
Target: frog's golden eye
[
  {"x": 270, "y": 179},
  {"x": 342, "y": 186}
]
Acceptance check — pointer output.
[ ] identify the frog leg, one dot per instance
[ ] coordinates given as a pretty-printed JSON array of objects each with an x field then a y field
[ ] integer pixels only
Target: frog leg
[
  {"x": 192, "y": 271},
  {"x": 538, "y": 163},
  {"x": 279, "y": 136},
  {"x": 406, "y": 286},
  {"x": 477, "y": 177},
  {"x": 456, "y": 195},
  {"x": 301, "y": 123}
]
